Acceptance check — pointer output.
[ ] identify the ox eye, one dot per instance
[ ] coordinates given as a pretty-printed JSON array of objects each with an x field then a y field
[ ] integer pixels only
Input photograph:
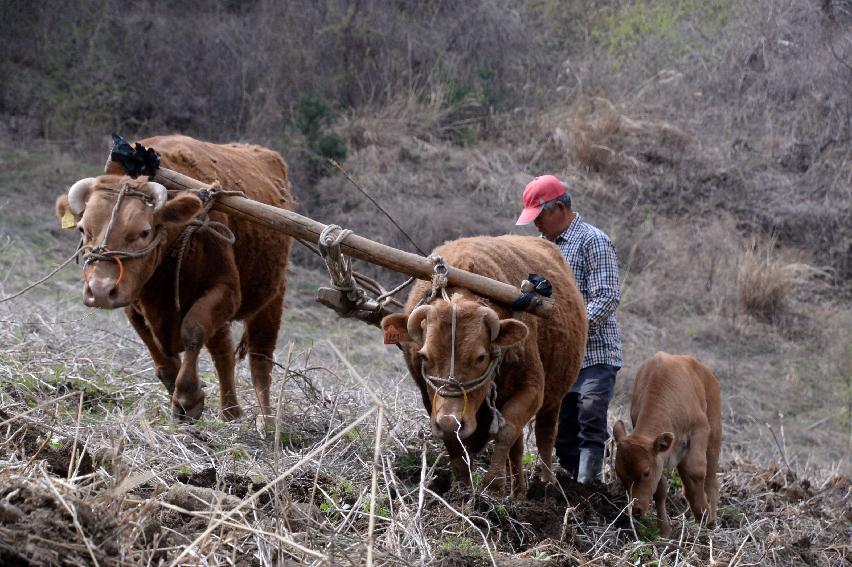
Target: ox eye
[
  {"x": 480, "y": 359},
  {"x": 646, "y": 474},
  {"x": 144, "y": 234}
]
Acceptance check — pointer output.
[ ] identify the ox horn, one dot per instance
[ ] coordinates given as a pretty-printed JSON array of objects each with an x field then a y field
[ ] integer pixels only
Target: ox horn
[
  {"x": 157, "y": 192},
  {"x": 492, "y": 321},
  {"x": 415, "y": 330},
  {"x": 79, "y": 194}
]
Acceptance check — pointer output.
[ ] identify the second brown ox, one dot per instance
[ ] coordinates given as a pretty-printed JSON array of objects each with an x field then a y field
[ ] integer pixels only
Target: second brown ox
[
  {"x": 180, "y": 290},
  {"x": 677, "y": 422},
  {"x": 507, "y": 367}
]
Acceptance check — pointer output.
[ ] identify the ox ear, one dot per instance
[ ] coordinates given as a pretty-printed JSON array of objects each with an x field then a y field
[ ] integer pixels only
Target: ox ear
[
  {"x": 619, "y": 431},
  {"x": 181, "y": 209},
  {"x": 395, "y": 329},
  {"x": 663, "y": 442},
  {"x": 511, "y": 332},
  {"x": 64, "y": 214}
]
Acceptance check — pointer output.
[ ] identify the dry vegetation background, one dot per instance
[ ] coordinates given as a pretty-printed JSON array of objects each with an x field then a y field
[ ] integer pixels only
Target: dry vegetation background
[{"x": 711, "y": 139}]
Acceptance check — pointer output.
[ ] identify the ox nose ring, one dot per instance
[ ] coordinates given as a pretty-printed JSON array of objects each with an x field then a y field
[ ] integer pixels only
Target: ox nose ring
[{"x": 93, "y": 258}]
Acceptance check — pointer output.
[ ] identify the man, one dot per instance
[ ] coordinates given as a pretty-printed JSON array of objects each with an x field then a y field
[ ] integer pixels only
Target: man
[{"x": 591, "y": 255}]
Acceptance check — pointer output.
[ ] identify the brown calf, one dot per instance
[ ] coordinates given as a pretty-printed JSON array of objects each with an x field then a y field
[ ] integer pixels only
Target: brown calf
[
  {"x": 507, "y": 367},
  {"x": 677, "y": 422}
]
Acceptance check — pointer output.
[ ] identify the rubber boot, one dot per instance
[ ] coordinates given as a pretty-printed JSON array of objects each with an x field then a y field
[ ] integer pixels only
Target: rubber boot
[
  {"x": 591, "y": 463},
  {"x": 571, "y": 464}
]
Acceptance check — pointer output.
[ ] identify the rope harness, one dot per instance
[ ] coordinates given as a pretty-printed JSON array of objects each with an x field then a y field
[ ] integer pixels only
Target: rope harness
[
  {"x": 201, "y": 222},
  {"x": 451, "y": 387},
  {"x": 100, "y": 251}
]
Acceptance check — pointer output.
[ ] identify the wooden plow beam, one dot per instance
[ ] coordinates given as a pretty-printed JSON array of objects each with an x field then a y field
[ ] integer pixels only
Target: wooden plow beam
[{"x": 355, "y": 246}]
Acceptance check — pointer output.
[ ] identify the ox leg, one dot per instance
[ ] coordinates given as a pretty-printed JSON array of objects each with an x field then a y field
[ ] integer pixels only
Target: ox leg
[
  {"x": 167, "y": 365},
  {"x": 516, "y": 469},
  {"x": 458, "y": 466},
  {"x": 209, "y": 313},
  {"x": 545, "y": 439},
  {"x": 494, "y": 480},
  {"x": 188, "y": 397},
  {"x": 663, "y": 521},
  {"x": 261, "y": 336},
  {"x": 517, "y": 412},
  {"x": 221, "y": 349}
]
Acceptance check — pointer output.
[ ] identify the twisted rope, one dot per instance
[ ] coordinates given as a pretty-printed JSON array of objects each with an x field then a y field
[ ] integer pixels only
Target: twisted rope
[
  {"x": 202, "y": 222},
  {"x": 339, "y": 266}
]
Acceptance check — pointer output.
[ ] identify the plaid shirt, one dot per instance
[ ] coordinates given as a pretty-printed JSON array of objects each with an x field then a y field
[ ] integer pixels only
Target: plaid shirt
[{"x": 591, "y": 255}]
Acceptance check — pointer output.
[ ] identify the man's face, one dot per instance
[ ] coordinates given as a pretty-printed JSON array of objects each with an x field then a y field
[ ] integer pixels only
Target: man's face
[{"x": 552, "y": 223}]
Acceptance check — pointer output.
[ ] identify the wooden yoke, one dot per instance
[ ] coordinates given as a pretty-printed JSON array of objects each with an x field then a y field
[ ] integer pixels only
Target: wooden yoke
[{"x": 355, "y": 246}]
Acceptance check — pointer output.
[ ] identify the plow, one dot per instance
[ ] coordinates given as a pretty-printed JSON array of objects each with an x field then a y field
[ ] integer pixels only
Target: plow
[{"x": 351, "y": 295}]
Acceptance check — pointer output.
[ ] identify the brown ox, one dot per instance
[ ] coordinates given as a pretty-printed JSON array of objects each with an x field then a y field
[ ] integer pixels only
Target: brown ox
[
  {"x": 540, "y": 357},
  {"x": 677, "y": 421},
  {"x": 217, "y": 282}
]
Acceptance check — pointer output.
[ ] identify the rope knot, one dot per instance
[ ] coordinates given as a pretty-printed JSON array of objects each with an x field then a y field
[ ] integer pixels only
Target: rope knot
[
  {"x": 439, "y": 279},
  {"x": 339, "y": 266}
]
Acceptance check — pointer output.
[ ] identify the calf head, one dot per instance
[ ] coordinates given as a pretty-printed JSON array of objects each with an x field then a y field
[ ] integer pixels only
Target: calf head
[
  {"x": 480, "y": 336},
  {"x": 639, "y": 464},
  {"x": 138, "y": 233}
]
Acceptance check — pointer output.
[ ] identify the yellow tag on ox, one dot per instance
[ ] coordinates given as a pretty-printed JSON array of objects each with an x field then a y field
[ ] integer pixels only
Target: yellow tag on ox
[{"x": 68, "y": 220}]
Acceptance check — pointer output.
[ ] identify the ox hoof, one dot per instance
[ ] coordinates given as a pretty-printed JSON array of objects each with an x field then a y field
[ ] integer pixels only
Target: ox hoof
[
  {"x": 188, "y": 409},
  {"x": 231, "y": 413},
  {"x": 494, "y": 487}
]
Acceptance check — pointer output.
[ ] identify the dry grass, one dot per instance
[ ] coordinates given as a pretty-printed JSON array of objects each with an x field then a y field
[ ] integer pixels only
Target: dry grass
[{"x": 93, "y": 471}]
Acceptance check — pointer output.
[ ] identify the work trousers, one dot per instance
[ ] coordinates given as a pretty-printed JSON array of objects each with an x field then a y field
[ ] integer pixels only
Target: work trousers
[{"x": 582, "y": 417}]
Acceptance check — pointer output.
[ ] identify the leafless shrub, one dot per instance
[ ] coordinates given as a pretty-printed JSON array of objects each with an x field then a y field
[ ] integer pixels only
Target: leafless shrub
[{"x": 764, "y": 281}]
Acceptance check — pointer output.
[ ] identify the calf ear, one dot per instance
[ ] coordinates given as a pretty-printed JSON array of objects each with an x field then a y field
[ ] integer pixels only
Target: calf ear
[
  {"x": 663, "y": 442},
  {"x": 619, "y": 431},
  {"x": 395, "y": 330},
  {"x": 511, "y": 332},
  {"x": 181, "y": 209}
]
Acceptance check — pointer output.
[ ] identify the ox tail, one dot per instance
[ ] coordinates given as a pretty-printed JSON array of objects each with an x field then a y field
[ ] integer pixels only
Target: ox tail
[{"x": 242, "y": 347}]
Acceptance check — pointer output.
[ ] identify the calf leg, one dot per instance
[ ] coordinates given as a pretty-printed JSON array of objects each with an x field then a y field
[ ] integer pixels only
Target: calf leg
[
  {"x": 166, "y": 365},
  {"x": 663, "y": 521},
  {"x": 221, "y": 349},
  {"x": 711, "y": 483},
  {"x": 208, "y": 314},
  {"x": 693, "y": 474}
]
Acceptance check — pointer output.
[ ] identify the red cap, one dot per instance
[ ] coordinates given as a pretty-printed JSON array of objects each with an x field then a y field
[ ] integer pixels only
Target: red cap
[{"x": 537, "y": 192}]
